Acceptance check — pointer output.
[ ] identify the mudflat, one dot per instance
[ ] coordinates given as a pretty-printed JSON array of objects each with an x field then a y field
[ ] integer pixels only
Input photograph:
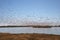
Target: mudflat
[{"x": 7, "y": 36}]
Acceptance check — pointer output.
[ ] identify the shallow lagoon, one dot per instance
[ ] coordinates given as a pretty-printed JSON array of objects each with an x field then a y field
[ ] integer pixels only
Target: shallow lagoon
[{"x": 53, "y": 30}]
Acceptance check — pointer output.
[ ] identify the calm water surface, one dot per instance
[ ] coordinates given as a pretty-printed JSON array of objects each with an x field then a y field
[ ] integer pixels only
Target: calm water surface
[{"x": 53, "y": 30}]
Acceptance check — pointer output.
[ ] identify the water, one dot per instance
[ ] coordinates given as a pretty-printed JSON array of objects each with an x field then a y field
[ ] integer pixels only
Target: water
[{"x": 53, "y": 30}]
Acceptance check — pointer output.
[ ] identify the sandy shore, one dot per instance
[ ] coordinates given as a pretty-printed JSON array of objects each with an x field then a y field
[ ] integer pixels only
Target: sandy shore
[{"x": 7, "y": 36}]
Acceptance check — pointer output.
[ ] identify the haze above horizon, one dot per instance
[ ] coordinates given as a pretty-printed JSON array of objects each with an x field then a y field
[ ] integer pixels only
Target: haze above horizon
[{"x": 29, "y": 11}]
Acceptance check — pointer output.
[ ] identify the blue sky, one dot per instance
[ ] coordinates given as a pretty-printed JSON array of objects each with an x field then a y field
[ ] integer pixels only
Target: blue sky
[{"x": 29, "y": 9}]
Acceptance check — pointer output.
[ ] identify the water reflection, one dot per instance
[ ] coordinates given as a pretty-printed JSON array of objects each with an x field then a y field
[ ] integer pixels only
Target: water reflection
[{"x": 53, "y": 30}]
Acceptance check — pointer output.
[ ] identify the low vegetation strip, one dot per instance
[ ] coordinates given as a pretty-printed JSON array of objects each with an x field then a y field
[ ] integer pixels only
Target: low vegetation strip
[
  {"x": 7, "y": 36},
  {"x": 34, "y": 26}
]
